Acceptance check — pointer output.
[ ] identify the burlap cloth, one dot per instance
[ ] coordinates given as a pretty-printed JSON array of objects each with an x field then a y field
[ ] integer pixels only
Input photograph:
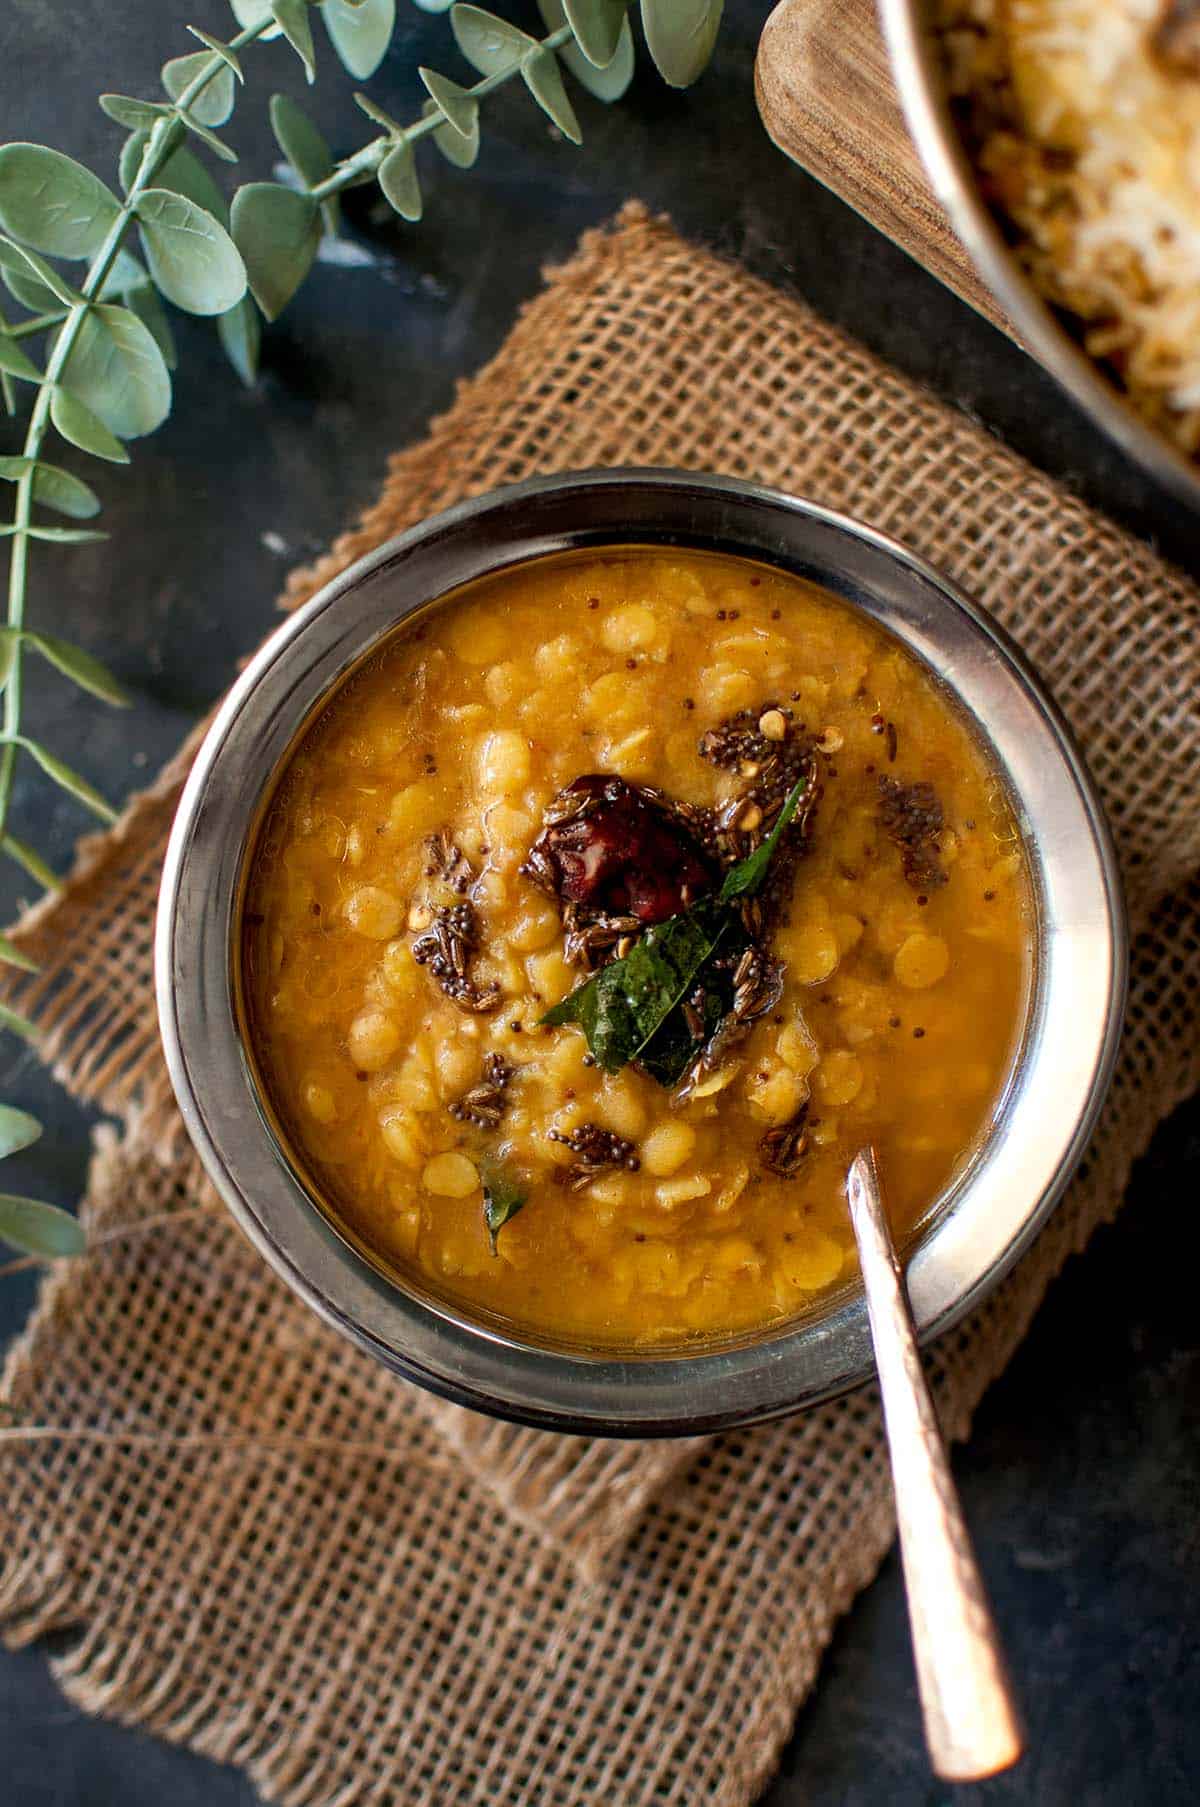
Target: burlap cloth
[{"x": 275, "y": 1552}]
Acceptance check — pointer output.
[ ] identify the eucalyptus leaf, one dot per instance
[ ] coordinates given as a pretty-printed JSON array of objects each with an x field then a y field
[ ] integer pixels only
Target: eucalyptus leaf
[
  {"x": 142, "y": 300},
  {"x": 130, "y": 160},
  {"x": 207, "y": 136},
  {"x": 116, "y": 369},
  {"x": 292, "y": 19},
  {"x": 18, "y": 1129},
  {"x": 225, "y": 51},
  {"x": 277, "y": 232},
  {"x": 214, "y": 103},
  {"x": 80, "y": 667},
  {"x": 680, "y": 35},
  {"x": 76, "y": 422},
  {"x": 434, "y": 6},
  {"x": 491, "y": 45},
  {"x": 125, "y": 273},
  {"x": 138, "y": 115},
  {"x": 132, "y": 150},
  {"x": 53, "y": 488},
  {"x": 17, "y": 260},
  {"x": 360, "y": 34},
  {"x": 192, "y": 259},
  {"x": 12, "y": 955},
  {"x": 8, "y": 393},
  {"x": 457, "y": 149},
  {"x": 240, "y": 331},
  {"x": 300, "y": 141},
  {"x": 544, "y": 80},
  {"x": 31, "y": 861},
  {"x": 249, "y": 13},
  {"x": 458, "y": 106},
  {"x": 53, "y": 203},
  {"x": 63, "y": 776},
  {"x": 306, "y": 151},
  {"x": 398, "y": 180},
  {"x": 182, "y": 173},
  {"x": 39, "y": 1229},
  {"x": 610, "y": 83},
  {"x": 374, "y": 111},
  {"x": 16, "y": 1024},
  {"x": 29, "y": 290},
  {"x": 16, "y": 362},
  {"x": 597, "y": 27},
  {"x": 607, "y": 84},
  {"x": 64, "y": 492}
]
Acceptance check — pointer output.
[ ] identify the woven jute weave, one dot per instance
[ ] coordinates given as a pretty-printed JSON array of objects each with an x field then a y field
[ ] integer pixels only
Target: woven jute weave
[{"x": 274, "y": 1552}]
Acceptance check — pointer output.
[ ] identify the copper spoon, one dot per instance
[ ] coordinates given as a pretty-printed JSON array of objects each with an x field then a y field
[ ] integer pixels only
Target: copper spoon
[{"x": 972, "y": 1724}]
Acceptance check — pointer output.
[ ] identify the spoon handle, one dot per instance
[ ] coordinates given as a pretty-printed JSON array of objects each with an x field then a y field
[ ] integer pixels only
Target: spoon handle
[{"x": 972, "y": 1724}]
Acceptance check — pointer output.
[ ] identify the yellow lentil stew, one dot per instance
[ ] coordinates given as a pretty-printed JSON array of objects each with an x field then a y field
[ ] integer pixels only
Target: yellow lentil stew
[{"x": 559, "y": 778}]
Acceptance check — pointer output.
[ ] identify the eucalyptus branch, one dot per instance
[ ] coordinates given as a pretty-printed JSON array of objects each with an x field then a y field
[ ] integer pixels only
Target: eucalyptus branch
[
  {"x": 162, "y": 142},
  {"x": 108, "y": 344},
  {"x": 369, "y": 158},
  {"x": 31, "y": 1224},
  {"x": 40, "y": 323}
]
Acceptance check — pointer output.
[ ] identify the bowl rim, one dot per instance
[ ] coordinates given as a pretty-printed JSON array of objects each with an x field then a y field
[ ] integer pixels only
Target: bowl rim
[
  {"x": 916, "y": 65},
  {"x": 962, "y": 1254}
]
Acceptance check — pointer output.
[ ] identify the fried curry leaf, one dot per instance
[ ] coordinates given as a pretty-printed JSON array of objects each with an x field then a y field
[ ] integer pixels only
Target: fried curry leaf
[
  {"x": 633, "y": 1008},
  {"x": 503, "y": 1196},
  {"x": 744, "y": 879},
  {"x": 622, "y": 1008},
  {"x": 675, "y": 1044},
  {"x": 582, "y": 1006}
]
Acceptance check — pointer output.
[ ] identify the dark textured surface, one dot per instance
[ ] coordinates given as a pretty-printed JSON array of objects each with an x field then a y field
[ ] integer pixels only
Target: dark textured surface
[{"x": 1082, "y": 1481}]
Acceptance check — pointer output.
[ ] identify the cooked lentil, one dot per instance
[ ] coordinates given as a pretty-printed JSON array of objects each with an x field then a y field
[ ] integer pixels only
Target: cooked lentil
[{"x": 396, "y": 1029}]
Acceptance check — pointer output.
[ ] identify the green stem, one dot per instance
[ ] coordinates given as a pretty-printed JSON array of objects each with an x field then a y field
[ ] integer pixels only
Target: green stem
[
  {"x": 368, "y": 159},
  {"x": 159, "y": 147},
  {"x": 40, "y": 323}
]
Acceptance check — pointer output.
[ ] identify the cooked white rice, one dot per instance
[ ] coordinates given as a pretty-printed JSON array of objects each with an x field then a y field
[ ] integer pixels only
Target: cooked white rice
[{"x": 1084, "y": 120}]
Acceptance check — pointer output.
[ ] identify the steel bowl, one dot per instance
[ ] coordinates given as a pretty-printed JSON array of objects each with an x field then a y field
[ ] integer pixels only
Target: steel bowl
[
  {"x": 917, "y": 67},
  {"x": 975, "y": 1231}
]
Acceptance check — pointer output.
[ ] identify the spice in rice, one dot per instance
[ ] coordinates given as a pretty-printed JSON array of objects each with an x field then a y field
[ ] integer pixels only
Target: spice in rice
[{"x": 1082, "y": 118}]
